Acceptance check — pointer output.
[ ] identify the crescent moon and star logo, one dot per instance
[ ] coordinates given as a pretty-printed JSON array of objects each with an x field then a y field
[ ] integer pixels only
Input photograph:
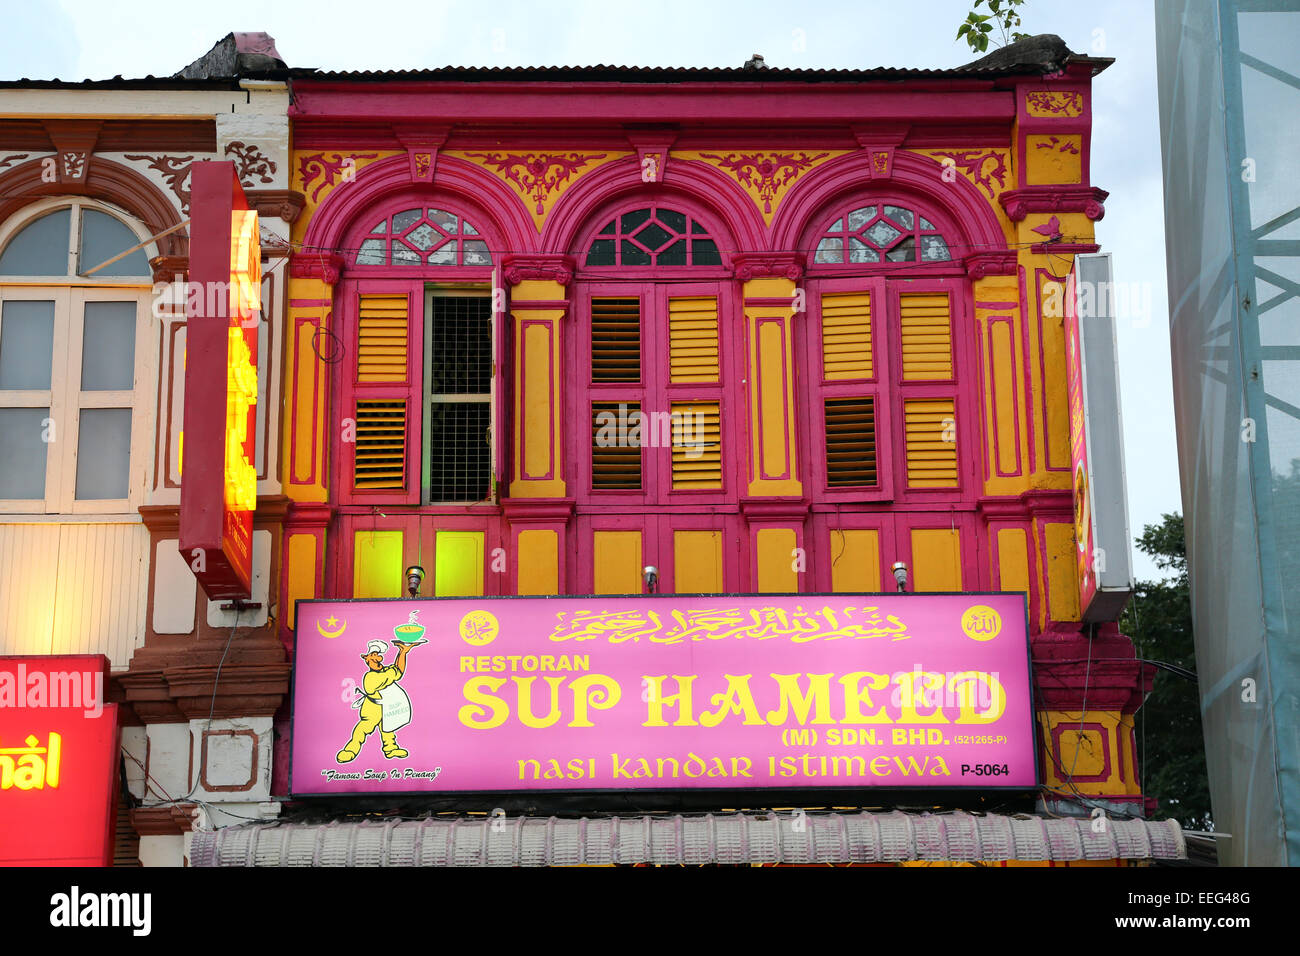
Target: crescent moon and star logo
[{"x": 338, "y": 627}]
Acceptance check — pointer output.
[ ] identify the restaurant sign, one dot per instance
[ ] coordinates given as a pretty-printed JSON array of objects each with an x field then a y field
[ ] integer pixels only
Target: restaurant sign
[
  {"x": 662, "y": 693},
  {"x": 1101, "y": 531},
  {"x": 218, "y": 479},
  {"x": 58, "y": 761}
]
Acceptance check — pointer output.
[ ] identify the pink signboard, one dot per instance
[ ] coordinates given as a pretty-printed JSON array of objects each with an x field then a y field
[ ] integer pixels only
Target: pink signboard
[{"x": 662, "y": 693}]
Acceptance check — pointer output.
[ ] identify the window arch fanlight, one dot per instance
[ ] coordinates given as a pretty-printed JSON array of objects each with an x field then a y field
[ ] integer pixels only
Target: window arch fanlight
[
  {"x": 654, "y": 236},
  {"x": 423, "y": 235},
  {"x": 881, "y": 233},
  {"x": 70, "y": 240}
]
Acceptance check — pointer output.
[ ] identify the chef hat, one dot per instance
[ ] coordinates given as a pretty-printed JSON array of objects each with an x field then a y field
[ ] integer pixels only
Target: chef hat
[{"x": 376, "y": 647}]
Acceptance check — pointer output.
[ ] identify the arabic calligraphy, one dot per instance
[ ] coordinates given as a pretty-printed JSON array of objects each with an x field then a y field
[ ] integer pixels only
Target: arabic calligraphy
[{"x": 717, "y": 624}]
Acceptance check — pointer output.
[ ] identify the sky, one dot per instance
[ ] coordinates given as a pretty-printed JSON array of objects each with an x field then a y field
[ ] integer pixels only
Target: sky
[{"x": 95, "y": 39}]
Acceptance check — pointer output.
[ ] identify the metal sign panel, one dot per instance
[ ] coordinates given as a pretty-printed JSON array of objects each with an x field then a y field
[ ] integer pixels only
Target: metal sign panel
[
  {"x": 223, "y": 308},
  {"x": 1096, "y": 441},
  {"x": 662, "y": 692}
]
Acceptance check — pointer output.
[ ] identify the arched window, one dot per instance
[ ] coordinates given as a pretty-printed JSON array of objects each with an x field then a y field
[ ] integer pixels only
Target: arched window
[
  {"x": 881, "y": 233},
  {"x": 74, "y": 359},
  {"x": 654, "y": 236},
  {"x": 72, "y": 241},
  {"x": 423, "y": 236},
  {"x": 886, "y": 376}
]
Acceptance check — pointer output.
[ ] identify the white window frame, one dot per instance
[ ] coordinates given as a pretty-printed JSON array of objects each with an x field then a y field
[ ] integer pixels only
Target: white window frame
[
  {"x": 428, "y": 398},
  {"x": 65, "y": 398}
]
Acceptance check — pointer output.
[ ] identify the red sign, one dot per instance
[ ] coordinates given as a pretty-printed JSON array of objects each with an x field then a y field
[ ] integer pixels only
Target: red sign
[
  {"x": 58, "y": 762},
  {"x": 222, "y": 310}
]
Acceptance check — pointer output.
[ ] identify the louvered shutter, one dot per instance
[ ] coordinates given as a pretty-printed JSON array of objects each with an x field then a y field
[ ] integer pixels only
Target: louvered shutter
[
  {"x": 697, "y": 446},
  {"x": 846, "y": 336},
  {"x": 925, "y": 330},
  {"x": 693, "y": 339},
  {"x": 382, "y": 393},
  {"x": 931, "y": 441},
  {"x": 850, "y": 441},
  {"x": 925, "y": 327},
  {"x": 615, "y": 340},
  {"x": 615, "y": 452}
]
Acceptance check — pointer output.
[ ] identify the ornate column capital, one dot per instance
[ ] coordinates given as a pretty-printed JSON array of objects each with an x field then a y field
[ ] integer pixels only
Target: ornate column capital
[
  {"x": 285, "y": 203},
  {"x": 326, "y": 266},
  {"x": 998, "y": 262},
  {"x": 1088, "y": 200},
  {"x": 768, "y": 265},
  {"x": 546, "y": 268}
]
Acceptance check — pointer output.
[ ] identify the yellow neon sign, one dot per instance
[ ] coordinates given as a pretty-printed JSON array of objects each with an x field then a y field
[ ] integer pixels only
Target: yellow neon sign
[
  {"x": 32, "y": 767},
  {"x": 241, "y": 364}
]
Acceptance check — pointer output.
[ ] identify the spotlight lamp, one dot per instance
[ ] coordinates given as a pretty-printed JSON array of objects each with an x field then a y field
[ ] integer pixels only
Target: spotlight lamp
[{"x": 414, "y": 578}]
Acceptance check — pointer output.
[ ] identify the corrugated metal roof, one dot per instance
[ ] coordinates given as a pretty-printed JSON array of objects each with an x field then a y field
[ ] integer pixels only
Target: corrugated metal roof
[
  {"x": 1045, "y": 53},
  {"x": 740, "y": 838}
]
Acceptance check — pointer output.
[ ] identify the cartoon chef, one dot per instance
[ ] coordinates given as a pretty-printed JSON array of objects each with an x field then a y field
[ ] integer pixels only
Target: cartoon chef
[{"x": 382, "y": 702}]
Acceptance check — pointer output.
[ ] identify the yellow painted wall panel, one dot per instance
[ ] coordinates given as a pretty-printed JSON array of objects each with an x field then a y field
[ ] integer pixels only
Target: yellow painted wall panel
[
  {"x": 304, "y": 404},
  {"x": 458, "y": 564},
  {"x": 1002, "y": 361},
  {"x": 536, "y": 436},
  {"x": 936, "y": 559},
  {"x": 1062, "y": 573},
  {"x": 377, "y": 565},
  {"x": 617, "y": 556},
  {"x": 1095, "y": 745},
  {"x": 539, "y": 567},
  {"x": 1053, "y": 159},
  {"x": 1058, "y": 419},
  {"x": 776, "y": 570},
  {"x": 697, "y": 562},
  {"x": 1013, "y": 560},
  {"x": 301, "y": 574},
  {"x": 855, "y": 557},
  {"x": 772, "y": 400}
]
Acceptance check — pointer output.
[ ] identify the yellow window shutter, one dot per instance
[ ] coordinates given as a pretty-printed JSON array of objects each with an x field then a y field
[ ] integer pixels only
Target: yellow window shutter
[
  {"x": 846, "y": 336},
  {"x": 697, "y": 446},
  {"x": 931, "y": 427},
  {"x": 693, "y": 339},
  {"x": 926, "y": 332},
  {"x": 382, "y": 343},
  {"x": 380, "y": 460}
]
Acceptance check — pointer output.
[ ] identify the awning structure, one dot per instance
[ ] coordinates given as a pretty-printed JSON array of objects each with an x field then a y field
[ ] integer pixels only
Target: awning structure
[{"x": 740, "y": 838}]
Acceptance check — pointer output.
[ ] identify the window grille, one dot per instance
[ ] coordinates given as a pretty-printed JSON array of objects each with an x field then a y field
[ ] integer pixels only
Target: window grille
[
  {"x": 881, "y": 233},
  {"x": 654, "y": 237},
  {"x": 460, "y": 399}
]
